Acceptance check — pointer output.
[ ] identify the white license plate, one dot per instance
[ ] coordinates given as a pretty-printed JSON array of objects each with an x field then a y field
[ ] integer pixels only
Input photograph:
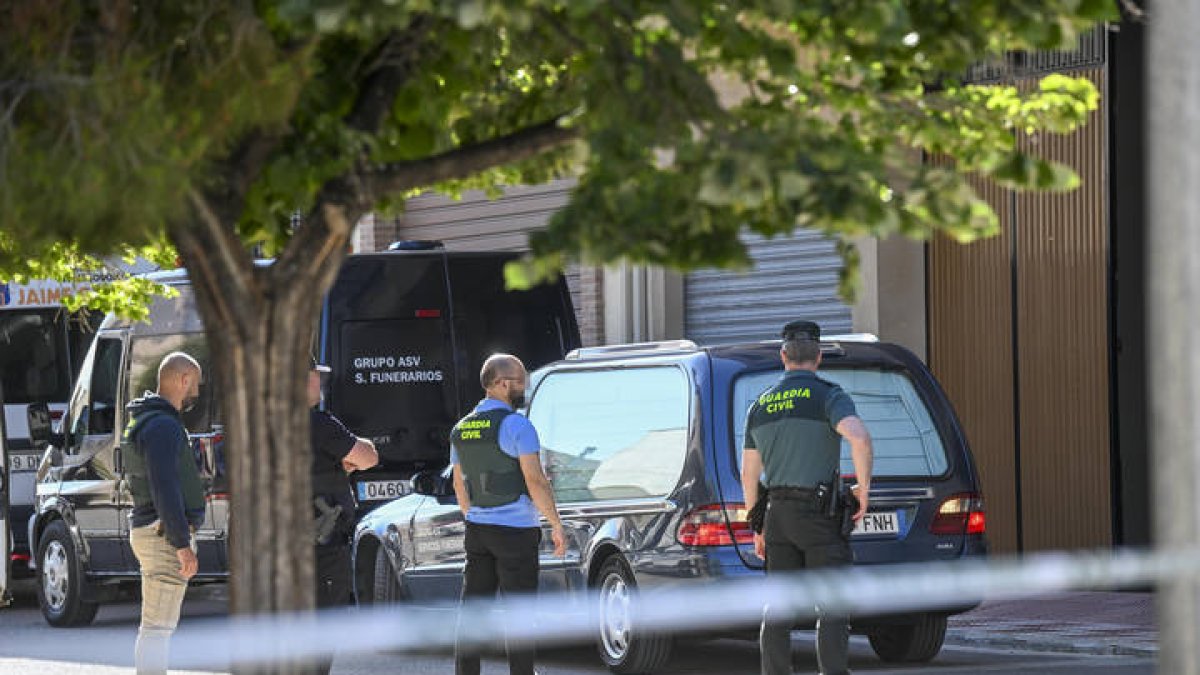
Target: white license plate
[
  {"x": 376, "y": 490},
  {"x": 879, "y": 522},
  {"x": 20, "y": 463}
]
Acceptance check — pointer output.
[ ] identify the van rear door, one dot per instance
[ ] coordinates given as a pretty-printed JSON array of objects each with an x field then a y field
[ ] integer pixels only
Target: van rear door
[
  {"x": 386, "y": 333},
  {"x": 538, "y": 325}
]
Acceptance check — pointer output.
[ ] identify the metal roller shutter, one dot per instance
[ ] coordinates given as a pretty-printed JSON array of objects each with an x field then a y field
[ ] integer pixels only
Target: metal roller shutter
[
  {"x": 476, "y": 223},
  {"x": 793, "y": 278}
]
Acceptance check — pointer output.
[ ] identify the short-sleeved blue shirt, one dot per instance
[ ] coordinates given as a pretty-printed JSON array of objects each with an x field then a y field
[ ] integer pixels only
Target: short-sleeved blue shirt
[{"x": 517, "y": 437}]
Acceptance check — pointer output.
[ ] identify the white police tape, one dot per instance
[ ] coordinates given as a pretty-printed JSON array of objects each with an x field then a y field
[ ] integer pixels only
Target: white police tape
[{"x": 678, "y": 608}]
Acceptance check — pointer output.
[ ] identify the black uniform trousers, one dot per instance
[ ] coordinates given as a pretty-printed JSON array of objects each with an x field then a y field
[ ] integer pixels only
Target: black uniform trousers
[
  {"x": 799, "y": 537},
  {"x": 333, "y": 585},
  {"x": 498, "y": 558}
]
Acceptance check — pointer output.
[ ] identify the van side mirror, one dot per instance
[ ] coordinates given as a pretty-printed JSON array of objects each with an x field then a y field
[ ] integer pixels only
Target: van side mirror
[
  {"x": 38, "y": 415},
  {"x": 431, "y": 484}
]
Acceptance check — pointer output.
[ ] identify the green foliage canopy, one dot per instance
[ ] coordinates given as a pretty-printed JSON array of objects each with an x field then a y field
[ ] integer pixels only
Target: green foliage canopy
[{"x": 684, "y": 122}]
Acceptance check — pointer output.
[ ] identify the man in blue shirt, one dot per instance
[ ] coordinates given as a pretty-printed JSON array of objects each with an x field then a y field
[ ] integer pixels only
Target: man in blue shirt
[{"x": 500, "y": 487}]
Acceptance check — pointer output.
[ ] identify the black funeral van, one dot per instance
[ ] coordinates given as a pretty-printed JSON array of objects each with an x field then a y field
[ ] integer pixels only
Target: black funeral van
[{"x": 406, "y": 333}]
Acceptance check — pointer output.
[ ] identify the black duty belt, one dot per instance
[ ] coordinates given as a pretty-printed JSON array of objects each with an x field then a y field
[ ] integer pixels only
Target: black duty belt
[{"x": 788, "y": 492}]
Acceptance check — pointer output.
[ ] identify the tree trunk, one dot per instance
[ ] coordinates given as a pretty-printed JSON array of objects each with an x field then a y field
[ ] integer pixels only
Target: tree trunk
[{"x": 260, "y": 322}]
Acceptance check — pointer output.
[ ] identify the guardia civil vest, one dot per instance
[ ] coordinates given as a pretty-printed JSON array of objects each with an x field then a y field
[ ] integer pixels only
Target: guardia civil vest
[
  {"x": 135, "y": 467},
  {"x": 493, "y": 477},
  {"x": 790, "y": 426}
]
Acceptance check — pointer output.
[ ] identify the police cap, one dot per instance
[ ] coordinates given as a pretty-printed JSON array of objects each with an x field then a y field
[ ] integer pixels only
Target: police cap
[{"x": 801, "y": 330}]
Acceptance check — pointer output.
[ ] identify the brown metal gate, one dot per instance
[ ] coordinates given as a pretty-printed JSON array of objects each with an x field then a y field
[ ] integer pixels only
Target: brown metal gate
[{"x": 1019, "y": 337}]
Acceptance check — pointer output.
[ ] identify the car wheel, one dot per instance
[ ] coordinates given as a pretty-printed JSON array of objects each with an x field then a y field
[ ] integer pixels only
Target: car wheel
[
  {"x": 60, "y": 581},
  {"x": 623, "y": 647},
  {"x": 915, "y": 642},
  {"x": 386, "y": 588}
]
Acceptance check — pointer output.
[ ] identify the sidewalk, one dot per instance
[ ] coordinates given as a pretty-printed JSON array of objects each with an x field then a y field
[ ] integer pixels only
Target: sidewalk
[{"x": 1078, "y": 622}]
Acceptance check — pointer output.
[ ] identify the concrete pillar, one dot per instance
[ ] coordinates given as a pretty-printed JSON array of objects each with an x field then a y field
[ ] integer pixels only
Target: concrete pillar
[
  {"x": 1173, "y": 281},
  {"x": 891, "y": 302},
  {"x": 642, "y": 304}
]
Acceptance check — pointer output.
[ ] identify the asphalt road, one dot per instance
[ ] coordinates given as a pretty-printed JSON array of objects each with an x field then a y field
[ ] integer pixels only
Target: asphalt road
[{"x": 28, "y": 647}]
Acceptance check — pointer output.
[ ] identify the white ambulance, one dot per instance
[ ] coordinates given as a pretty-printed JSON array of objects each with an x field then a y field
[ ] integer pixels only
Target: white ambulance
[{"x": 41, "y": 348}]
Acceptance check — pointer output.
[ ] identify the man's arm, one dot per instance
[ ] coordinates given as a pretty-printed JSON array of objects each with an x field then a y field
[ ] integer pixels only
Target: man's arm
[
  {"x": 751, "y": 472},
  {"x": 361, "y": 457},
  {"x": 460, "y": 490},
  {"x": 331, "y": 437},
  {"x": 853, "y": 430},
  {"x": 542, "y": 495},
  {"x": 752, "y": 468}
]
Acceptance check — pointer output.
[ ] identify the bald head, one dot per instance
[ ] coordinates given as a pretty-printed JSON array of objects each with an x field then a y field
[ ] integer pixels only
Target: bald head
[
  {"x": 503, "y": 378},
  {"x": 499, "y": 366},
  {"x": 176, "y": 364},
  {"x": 179, "y": 379}
]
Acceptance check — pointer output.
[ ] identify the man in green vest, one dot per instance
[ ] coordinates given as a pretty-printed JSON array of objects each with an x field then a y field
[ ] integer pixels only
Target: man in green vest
[
  {"x": 500, "y": 487},
  {"x": 168, "y": 503},
  {"x": 794, "y": 433}
]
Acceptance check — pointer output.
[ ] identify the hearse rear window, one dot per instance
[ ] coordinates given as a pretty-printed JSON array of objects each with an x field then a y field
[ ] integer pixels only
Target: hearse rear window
[
  {"x": 616, "y": 434},
  {"x": 905, "y": 439}
]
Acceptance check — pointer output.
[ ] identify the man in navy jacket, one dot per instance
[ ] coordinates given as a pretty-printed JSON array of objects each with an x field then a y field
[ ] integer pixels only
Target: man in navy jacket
[{"x": 168, "y": 503}]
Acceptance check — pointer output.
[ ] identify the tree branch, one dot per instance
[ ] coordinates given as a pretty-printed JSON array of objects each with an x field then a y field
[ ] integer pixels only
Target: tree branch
[
  {"x": 395, "y": 61},
  {"x": 343, "y": 200},
  {"x": 317, "y": 248},
  {"x": 319, "y": 245},
  {"x": 467, "y": 160},
  {"x": 243, "y": 167},
  {"x": 216, "y": 259}
]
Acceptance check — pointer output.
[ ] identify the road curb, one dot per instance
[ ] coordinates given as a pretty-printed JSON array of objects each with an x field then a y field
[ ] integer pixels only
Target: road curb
[{"x": 1048, "y": 644}]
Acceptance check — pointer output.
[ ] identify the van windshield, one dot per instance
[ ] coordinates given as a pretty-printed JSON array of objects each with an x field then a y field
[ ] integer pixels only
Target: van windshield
[
  {"x": 33, "y": 363},
  {"x": 905, "y": 439}
]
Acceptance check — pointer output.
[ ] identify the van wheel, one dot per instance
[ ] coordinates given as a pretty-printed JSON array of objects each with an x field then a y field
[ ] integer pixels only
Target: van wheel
[
  {"x": 624, "y": 648},
  {"x": 60, "y": 580},
  {"x": 386, "y": 589},
  {"x": 915, "y": 642}
]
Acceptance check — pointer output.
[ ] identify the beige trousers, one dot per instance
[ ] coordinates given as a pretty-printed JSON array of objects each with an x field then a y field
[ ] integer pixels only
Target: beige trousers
[{"x": 163, "y": 588}]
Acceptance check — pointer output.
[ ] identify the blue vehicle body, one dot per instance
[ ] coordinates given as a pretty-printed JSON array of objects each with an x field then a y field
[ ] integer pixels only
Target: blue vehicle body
[{"x": 690, "y": 532}]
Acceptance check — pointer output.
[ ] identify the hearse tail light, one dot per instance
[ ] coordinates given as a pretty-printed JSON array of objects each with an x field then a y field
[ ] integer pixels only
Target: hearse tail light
[
  {"x": 960, "y": 514},
  {"x": 716, "y": 525}
]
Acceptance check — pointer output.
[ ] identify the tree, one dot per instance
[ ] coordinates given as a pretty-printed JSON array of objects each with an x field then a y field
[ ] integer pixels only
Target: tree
[{"x": 202, "y": 126}]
